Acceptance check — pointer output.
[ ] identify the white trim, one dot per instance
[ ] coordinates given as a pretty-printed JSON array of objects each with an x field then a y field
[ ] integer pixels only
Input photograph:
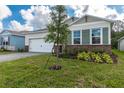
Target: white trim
[
  {"x": 99, "y": 36},
  {"x": 90, "y": 23},
  {"x": 107, "y": 20},
  {"x": 73, "y": 37},
  {"x": 81, "y": 37},
  {"x": 109, "y": 34},
  {"x": 121, "y": 38},
  {"x": 90, "y": 36}
]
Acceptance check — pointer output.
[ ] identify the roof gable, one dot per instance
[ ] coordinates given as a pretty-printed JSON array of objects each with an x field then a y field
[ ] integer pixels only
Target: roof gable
[
  {"x": 121, "y": 38},
  {"x": 70, "y": 20},
  {"x": 34, "y": 32},
  {"x": 5, "y": 32},
  {"x": 9, "y": 32},
  {"x": 90, "y": 18}
]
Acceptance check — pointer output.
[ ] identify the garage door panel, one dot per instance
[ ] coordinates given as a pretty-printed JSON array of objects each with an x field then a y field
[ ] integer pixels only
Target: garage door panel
[{"x": 39, "y": 45}]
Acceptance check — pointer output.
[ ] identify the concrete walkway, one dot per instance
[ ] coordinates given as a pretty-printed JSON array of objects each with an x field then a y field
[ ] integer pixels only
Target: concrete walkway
[{"x": 14, "y": 56}]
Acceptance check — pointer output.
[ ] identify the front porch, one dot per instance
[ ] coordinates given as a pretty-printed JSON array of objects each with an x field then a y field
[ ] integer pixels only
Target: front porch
[
  {"x": 8, "y": 47},
  {"x": 5, "y": 43}
]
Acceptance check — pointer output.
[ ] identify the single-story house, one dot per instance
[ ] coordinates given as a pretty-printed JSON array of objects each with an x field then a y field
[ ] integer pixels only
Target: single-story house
[
  {"x": 12, "y": 40},
  {"x": 88, "y": 32},
  {"x": 121, "y": 44}
]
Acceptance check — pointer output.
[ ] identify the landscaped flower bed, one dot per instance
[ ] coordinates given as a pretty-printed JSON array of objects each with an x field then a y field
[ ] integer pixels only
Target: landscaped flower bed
[{"x": 97, "y": 57}]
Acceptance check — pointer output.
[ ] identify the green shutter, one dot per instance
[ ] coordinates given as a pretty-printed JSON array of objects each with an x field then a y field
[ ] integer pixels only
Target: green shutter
[
  {"x": 105, "y": 36},
  {"x": 86, "y": 37},
  {"x": 69, "y": 38}
]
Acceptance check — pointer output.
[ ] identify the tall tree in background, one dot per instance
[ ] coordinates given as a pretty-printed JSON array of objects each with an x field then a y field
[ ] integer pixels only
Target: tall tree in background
[
  {"x": 118, "y": 25},
  {"x": 117, "y": 33},
  {"x": 57, "y": 29}
]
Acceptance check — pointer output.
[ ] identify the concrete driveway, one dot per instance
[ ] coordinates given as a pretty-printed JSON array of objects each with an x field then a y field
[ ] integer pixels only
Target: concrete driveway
[{"x": 14, "y": 56}]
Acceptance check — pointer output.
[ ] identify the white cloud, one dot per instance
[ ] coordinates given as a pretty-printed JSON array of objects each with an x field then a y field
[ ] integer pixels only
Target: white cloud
[
  {"x": 41, "y": 17},
  {"x": 36, "y": 17},
  {"x": 16, "y": 26},
  {"x": 79, "y": 10},
  {"x": 4, "y": 12},
  {"x": 97, "y": 10},
  {"x": 27, "y": 15}
]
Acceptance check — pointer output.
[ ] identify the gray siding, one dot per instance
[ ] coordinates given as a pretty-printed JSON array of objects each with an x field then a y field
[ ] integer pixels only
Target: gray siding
[
  {"x": 86, "y": 37},
  {"x": 105, "y": 36},
  {"x": 87, "y": 19},
  {"x": 17, "y": 41},
  {"x": 93, "y": 19}
]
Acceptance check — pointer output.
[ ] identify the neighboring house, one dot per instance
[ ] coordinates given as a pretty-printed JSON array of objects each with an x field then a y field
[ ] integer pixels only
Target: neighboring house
[
  {"x": 88, "y": 32},
  {"x": 12, "y": 40},
  {"x": 121, "y": 44}
]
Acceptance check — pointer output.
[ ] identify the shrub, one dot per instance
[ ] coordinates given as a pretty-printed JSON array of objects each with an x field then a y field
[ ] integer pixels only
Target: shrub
[
  {"x": 71, "y": 51},
  {"x": 3, "y": 49},
  {"x": 20, "y": 50},
  {"x": 96, "y": 57},
  {"x": 84, "y": 56},
  {"x": 92, "y": 55},
  {"x": 106, "y": 58},
  {"x": 74, "y": 51}
]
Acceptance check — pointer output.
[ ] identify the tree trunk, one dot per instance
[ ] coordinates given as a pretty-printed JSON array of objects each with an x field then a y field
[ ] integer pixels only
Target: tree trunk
[
  {"x": 53, "y": 49},
  {"x": 57, "y": 51}
]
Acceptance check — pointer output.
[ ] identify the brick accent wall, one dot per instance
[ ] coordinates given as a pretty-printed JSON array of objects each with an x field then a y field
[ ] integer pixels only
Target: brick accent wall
[{"x": 77, "y": 48}]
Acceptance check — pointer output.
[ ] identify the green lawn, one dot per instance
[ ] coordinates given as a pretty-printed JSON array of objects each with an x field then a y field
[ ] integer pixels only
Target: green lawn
[
  {"x": 30, "y": 72},
  {"x": 6, "y": 52}
]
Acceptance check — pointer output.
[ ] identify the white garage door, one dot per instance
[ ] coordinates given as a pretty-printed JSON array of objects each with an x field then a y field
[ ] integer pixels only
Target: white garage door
[{"x": 39, "y": 45}]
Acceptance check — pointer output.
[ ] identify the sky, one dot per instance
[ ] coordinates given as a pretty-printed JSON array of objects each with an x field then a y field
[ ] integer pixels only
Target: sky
[{"x": 34, "y": 17}]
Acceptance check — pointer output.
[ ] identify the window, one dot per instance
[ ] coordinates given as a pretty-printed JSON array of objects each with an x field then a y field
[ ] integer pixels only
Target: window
[
  {"x": 5, "y": 43},
  {"x": 96, "y": 36},
  {"x": 76, "y": 37},
  {"x": 5, "y": 40}
]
